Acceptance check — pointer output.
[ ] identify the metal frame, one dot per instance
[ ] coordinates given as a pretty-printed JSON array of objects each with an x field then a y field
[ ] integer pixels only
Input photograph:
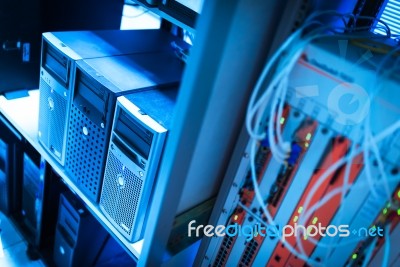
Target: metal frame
[
  {"x": 13, "y": 140},
  {"x": 232, "y": 42}
]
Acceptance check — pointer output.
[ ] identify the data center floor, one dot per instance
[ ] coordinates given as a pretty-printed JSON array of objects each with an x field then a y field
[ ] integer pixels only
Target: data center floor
[{"x": 13, "y": 252}]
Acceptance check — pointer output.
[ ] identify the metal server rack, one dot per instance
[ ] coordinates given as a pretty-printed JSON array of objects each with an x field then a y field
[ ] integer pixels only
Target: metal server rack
[
  {"x": 211, "y": 105},
  {"x": 321, "y": 137},
  {"x": 232, "y": 43}
]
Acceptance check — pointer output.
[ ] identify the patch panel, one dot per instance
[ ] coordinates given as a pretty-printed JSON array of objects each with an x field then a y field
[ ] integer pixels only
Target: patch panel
[
  {"x": 291, "y": 122},
  {"x": 324, "y": 215},
  {"x": 301, "y": 142},
  {"x": 357, "y": 197},
  {"x": 339, "y": 148},
  {"x": 319, "y": 85},
  {"x": 322, "y": 139},
  {"x": 250, "y": 251},
  {"x": 228, "y": 241},
  {"x": 302, "y": 138},
  {"x": 246, "y": 195}
]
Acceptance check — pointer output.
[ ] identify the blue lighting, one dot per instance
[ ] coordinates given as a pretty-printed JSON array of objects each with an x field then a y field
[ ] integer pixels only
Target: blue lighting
[{"x": 390, "y": 15}]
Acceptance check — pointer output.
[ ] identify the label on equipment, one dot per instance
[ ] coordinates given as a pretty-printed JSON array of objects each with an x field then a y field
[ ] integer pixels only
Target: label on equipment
[{"x": 26, "y": 52}]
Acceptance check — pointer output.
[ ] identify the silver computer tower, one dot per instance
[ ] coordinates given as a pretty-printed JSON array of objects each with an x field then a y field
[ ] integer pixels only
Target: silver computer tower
[
  {"x": 140, "y": 128},
  {"x": 60, "y": 51},
  {"x": 98, "y": 83}
]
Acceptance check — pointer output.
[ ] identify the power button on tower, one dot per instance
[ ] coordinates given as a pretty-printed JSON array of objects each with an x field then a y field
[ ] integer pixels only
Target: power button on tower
[{"x": 85, "y": 130}]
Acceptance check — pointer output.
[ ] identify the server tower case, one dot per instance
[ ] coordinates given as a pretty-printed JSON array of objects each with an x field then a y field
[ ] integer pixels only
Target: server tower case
[
  {"x": 60, "y": 50},
  {"x": 34, "y": 206},
  {"x": 98, "y": 83},
  {"x": 10, "y": 146},
  {"x": 79, "y": 238},
  {"x": 53, "y": 187},
  {"x": 32, "y": 191},
  {"x": 141, "y": 124}
]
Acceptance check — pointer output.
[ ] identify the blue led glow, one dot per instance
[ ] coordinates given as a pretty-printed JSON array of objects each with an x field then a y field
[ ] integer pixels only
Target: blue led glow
[{"x": 391, "y": 15}]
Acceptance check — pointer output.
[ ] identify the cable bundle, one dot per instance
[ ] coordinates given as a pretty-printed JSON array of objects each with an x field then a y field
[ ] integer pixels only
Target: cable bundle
[{"x": 267, "y": 102}]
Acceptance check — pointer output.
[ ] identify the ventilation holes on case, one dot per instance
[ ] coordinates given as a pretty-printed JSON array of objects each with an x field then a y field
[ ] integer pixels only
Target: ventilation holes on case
[
  {"x": 84, "y": 156},
  {"x": 121, "y": 203},
  {"x": 52, "y": 122}
]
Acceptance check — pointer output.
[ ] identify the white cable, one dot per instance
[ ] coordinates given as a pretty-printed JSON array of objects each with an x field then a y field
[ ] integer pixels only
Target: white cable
[
  {"x": 254, "y": 105},
  {"x": 377, "y": 86},
  {"x": 261, "y": 80},
  {"x": 258, "y": 194},
  {"x": 1, "y": 244},
  {"x": 284, "y": 145},
  {"x": 265, "y": 211},
  {"x": 381, "y": 167},
  {"x": 343, "y": 193},
  {"x": 386, "y": 252},
  {"x": 369, "y": 253},
  {"x": 302, "y": 217},
  {"x": 369, "y": 140},
  {"x": 329, "y": 196},
  {"x": 342, "y": 190},
  {"x": 347, "y": 173},
  {"x": 276, "y": 152},
  {"x": 253, "y": 109},
  {"x": 324, "y": 200},
  {"x": 336, "y": 191},
  {"x": 378, "y": 138},
  {"x": 282, "y": 148},
  {"x": 367, "y": 166}
]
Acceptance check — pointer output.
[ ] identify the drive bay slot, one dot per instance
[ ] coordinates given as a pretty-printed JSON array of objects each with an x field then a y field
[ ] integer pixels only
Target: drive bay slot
[
  {"x": 56, "y": 64},
  {"x": 133, "y": 134}
]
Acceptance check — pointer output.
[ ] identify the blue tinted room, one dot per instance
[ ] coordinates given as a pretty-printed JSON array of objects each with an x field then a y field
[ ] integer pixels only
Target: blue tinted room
[{"x": 199, "y": 133}]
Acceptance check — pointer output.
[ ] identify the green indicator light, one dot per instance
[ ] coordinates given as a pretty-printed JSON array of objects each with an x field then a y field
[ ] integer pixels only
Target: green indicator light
[
  {"x": 385, "y": 211},
  {"x": 282, "y": 120},
  {"x": 315, "y": 220},
  {"x": 308, "y": 136},
  {"x": 300, "y": 209},
  {"x": 398, "y": 212},
  {"x": 354, "y": 256}
]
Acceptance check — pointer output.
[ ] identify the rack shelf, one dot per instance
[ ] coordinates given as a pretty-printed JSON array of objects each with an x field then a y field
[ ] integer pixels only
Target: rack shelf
[
  {"x": 23, "y": 114},
  {"x": 164, "y": 15}
]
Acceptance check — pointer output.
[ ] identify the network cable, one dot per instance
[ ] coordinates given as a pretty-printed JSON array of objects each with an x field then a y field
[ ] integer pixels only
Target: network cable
[
  {"x": 386, "y": 252},
  {"x": 280, "y": 156},
  {"x": 256, "y": 110}
]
